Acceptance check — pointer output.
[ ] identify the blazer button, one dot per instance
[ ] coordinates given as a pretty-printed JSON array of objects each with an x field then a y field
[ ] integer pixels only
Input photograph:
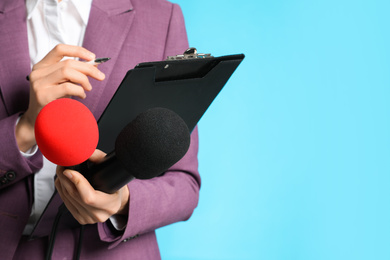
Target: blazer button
[
  {"x": 130, "y": 238},
  {"x": 3, "y": 180},
  {"x": 10, "y": 175}
]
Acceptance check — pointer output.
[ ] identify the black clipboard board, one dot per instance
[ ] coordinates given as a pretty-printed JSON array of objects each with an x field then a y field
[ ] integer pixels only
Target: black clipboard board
[{"x": 186, "y": 86}]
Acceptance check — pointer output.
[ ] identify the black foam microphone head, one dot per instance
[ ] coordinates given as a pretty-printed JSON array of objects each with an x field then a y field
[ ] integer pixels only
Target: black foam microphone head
[{"x": 154, "y": 141}]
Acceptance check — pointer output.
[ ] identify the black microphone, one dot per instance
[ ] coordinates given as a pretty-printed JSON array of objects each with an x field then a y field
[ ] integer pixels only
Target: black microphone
[{"x": 150, "y": 144}]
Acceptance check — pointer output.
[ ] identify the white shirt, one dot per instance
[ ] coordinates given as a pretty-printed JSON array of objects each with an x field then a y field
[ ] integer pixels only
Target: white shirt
[{"x": 49, "y": 23}]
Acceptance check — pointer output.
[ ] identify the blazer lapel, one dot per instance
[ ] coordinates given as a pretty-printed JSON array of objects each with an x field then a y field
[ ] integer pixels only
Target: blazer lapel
[
  {"x": 14, "y": 56},
  {"x": 107, "y": 29}
]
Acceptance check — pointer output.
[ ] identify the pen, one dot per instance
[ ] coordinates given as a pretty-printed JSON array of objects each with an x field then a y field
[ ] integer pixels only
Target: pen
[
  {"x": 98, "y": 61},
  {"x": 92, "y": 62}
]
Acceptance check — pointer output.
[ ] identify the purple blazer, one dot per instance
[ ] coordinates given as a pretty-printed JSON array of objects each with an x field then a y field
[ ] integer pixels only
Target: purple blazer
[{"x": 130, "y": 32}]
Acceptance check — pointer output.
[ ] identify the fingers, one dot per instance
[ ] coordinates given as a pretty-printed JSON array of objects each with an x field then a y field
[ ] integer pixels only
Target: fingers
[
  {"x": 61, "y": 83},
  {"x": 80, "y": 213},
  {"x": 64, "y": 71},
  {"x": 87, "y": 205},
  {"x": 67, "y": 78},
  {"x": 62, "y": 50}
]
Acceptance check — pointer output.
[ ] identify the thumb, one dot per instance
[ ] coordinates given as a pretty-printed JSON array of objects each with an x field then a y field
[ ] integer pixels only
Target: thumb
[{"x": 84, "y": 188}]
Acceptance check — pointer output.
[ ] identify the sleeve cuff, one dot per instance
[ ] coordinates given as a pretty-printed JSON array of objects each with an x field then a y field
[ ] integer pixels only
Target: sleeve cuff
[{"x": 118, "y": 222}]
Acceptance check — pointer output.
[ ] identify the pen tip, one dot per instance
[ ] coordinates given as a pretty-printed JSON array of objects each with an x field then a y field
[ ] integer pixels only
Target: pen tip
[{"x": 101, "y": 60}]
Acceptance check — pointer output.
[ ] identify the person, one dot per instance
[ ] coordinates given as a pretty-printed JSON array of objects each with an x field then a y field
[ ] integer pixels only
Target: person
[{"x": 48, "y": 40}]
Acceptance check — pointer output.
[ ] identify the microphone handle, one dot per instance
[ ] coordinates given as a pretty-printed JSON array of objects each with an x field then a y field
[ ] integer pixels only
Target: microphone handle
[
  {"x": 107, "y": 176},
  {"x": 82, "y": 167}
]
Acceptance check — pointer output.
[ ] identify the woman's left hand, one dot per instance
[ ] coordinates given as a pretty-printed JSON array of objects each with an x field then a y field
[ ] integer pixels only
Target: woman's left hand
[{"x": 87, "y": 205}]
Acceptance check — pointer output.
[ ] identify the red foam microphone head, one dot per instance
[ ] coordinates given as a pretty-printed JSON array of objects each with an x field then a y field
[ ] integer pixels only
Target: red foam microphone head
[{"x": 66, "y": 132}]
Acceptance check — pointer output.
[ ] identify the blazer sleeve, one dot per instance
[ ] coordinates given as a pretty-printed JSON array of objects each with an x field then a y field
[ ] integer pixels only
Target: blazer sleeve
[
  {"x": 13, "y": 165},
  {"x": 173, "y": 196}
]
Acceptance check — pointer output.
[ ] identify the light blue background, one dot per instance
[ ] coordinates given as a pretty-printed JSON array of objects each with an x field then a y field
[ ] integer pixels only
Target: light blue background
[{"x": 295, "y": 151}]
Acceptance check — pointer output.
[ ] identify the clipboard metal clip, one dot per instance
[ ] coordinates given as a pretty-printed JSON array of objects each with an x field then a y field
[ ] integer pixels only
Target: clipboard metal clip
[{"x": 190, "y": 53}]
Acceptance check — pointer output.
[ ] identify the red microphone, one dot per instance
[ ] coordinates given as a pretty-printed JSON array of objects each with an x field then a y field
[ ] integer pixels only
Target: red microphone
[{"x": 66, "y": 132}]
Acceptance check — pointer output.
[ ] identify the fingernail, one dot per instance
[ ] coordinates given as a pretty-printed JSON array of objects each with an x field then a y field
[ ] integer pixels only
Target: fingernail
[{"x": 68, "y": 174}]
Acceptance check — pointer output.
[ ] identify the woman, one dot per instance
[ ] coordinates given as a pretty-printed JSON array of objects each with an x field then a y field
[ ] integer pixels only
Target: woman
[{"x": 37, "y": 34}]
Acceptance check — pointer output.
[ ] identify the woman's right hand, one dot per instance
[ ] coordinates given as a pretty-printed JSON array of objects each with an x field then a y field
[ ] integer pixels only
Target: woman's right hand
[{"x": 53, "y": 78}]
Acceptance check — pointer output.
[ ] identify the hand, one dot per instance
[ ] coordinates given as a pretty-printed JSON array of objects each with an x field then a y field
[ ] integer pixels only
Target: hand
[
  {"x": 87, "y": 205},
  {"x": 53, "y": 78}
]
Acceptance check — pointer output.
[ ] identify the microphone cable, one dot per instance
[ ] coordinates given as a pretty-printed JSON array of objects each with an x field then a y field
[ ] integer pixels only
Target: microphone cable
[
  {"x": 53, "y": 233},
  {"x": 61, "y": 210}
]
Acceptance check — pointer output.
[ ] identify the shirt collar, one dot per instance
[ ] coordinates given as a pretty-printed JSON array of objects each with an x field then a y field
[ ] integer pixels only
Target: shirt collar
[
  {"x": 31, "y": 6},
  {"x": 83, "y": 7}
]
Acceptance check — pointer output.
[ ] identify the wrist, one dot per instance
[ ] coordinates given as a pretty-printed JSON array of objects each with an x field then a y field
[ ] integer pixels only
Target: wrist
[{"x": 24, "y": 133}]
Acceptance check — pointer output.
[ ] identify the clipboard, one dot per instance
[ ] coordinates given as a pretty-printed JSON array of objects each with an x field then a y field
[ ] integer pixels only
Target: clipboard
[{"x": 186, "y": 84}]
